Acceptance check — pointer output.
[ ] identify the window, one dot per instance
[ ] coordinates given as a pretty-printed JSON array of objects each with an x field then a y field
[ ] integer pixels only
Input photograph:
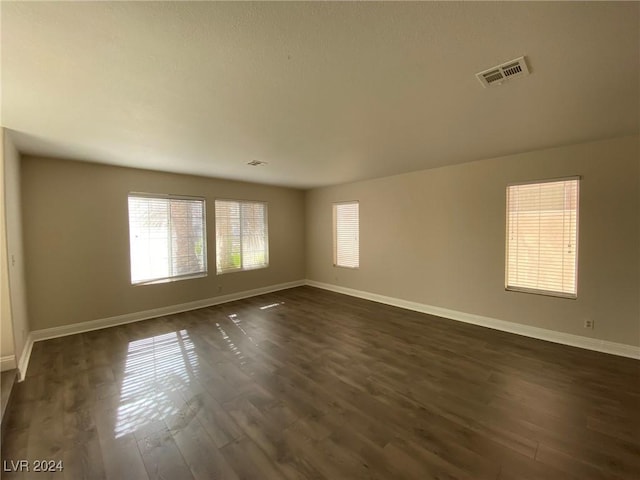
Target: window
[
  {"x": 346, "y": 235},
  {"x": 542, "y": 237},
  {"x": 242, "y": 240},
  {"x": 167, "y": 238}
]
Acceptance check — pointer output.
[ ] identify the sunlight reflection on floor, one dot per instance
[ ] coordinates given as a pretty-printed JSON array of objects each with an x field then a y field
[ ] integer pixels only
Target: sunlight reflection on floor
[
  {"x": 234, "y": 349},
  {"x": 155, "y": 366},
  {"x": 271, "y": 305}
]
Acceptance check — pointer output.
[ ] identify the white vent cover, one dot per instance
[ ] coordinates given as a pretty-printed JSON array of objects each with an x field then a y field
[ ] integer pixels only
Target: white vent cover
[{"x": 500, "y": 73}]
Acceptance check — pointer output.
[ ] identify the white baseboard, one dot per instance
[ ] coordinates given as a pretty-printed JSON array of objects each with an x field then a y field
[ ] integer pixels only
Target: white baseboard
[
  {"x": 534, "y": 332},
  {"x": 8, "y": 362},
  {"x": 604, "y": 346},
  {"x": 72, "y": 329},
  {"x": 23, "y": 364}
]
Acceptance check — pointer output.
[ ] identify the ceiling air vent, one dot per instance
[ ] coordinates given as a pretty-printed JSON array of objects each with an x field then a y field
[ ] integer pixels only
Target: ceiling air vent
[{"x": 500, "y": 73}]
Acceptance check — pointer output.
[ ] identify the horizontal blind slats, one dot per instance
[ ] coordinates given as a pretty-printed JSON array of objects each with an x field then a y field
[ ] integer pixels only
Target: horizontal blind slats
[
  {"x": 241, "y": 235},
  {"x": 542, "y": 236},
  {"x": 347, "y": 241},
  {"x": 167, "y": 238}
]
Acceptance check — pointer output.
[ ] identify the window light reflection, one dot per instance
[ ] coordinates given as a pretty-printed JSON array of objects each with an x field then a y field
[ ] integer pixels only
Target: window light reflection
[
  {"x": 234, "y": 349},
  {"x": 154, "y": 367},
  {"x": 271, "y": 305}
]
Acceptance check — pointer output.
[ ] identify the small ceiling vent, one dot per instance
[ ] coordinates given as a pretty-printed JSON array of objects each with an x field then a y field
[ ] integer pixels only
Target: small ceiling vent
[
  {"x": 256, "y": 163},
  {"x": 500, "y": 73}
]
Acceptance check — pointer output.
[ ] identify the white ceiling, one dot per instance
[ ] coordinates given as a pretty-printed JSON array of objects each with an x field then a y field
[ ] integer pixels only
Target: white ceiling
[{"x": 325, "y": 93}]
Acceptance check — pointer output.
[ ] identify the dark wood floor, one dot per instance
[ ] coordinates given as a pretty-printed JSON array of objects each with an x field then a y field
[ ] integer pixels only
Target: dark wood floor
[
  {"x": 306, "y": 383},
  {"x": 7, "y": 381}
]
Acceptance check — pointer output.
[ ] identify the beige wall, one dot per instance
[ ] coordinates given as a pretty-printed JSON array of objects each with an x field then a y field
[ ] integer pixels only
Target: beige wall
[
  {"x": 16, "y": 255},
  {"x": 437, "y": 237},
  {"x": 77, "y": 240},
  {"x": 6, "y": 325}
]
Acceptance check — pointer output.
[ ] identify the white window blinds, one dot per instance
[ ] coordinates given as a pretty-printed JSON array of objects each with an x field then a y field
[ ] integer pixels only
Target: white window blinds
[
  {"x": 167, "y": 238},
  {"x": 542, "y": 237},
  {"x": 346, "y": 235},
  {"x": 242, "y": 241}
]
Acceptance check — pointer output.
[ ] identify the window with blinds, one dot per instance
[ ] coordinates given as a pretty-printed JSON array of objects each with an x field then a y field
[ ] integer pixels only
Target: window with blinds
[
  {"x": 346, "y": 234},
  {"x": 167, "y": 238},
  {"x": 242, "y": 239},
  {"x": 542, "y": 237}
]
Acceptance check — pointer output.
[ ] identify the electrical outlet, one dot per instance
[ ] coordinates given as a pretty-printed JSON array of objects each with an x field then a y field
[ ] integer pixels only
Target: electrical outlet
[
  {"x": 588, "y": 324},
  {"x": 219, "y": 288}
]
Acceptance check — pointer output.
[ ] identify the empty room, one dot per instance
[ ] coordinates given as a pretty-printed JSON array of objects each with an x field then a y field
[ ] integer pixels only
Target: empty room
[{"x": 320, "y": 240}]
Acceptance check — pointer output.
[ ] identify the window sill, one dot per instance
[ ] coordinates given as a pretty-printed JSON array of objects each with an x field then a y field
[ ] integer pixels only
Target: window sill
[
  {"x": 170, "y": 279},
  {"x": 235, "y": 270},
  {"x": 545, "y": 293}
]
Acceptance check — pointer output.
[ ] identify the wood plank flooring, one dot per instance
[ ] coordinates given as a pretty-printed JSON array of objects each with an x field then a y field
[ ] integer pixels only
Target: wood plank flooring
[
  {"x": 309, "y": 384},
  {"x": 7, "y": 380}
]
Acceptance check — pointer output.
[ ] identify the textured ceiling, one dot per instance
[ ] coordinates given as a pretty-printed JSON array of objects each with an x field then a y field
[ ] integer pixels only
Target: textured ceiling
[{"x": 325, "y": 93}]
